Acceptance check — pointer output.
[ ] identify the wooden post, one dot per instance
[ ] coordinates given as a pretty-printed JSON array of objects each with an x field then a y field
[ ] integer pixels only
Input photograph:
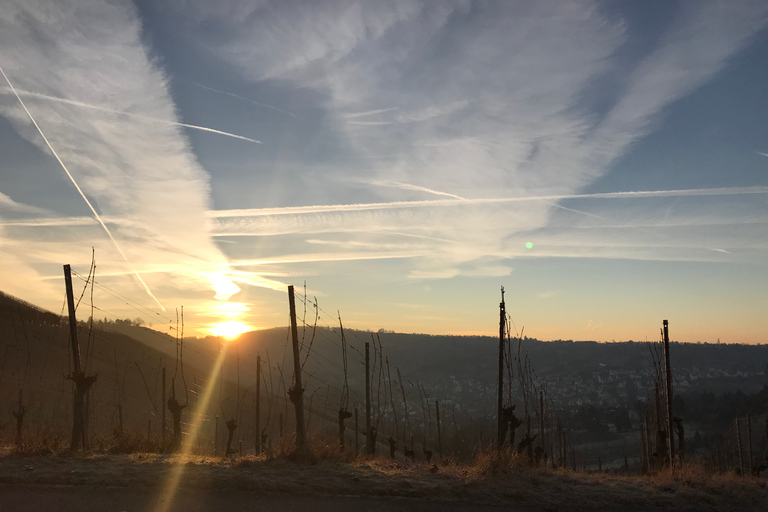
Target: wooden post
[
  {"x": 162, "y": 406},
  {"x": 439, "y": 435},
  {"x": 670, "y": 418},
  {"x": 369, "y": 448},
  {"x": 501, "y": 431},
  {"x": 257, "y": 426},
  {"x": 750, "y": 463},
  {"x": 72, "y": 318},
  {"x": 82, "y": 383},
  {"x": 296, "y": 393},
  {"x": 738, "y": 444}
]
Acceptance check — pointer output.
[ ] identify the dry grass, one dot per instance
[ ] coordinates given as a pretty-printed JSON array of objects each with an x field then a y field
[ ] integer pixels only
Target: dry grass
[{"x": 493, "y": 478}]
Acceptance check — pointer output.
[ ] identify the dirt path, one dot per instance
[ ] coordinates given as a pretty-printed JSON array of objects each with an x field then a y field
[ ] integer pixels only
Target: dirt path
[
  {"x": 103, "y": 482},
  {"x": 79, "y": 499}
]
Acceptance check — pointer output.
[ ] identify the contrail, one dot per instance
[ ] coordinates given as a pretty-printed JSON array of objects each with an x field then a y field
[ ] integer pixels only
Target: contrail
[
  {"x": 237, "y": 96},
  {"x": 82, "y": 194},
  {"x": 137, "y": 116},
  {"x": 321, "y": 257},
  {"x": 355, "y": 115},
  {"x": 370, "y": 123},
  {"x": 299, "y": 210},
  {"x": 408, "y": 186},
  {"x": 303, "y": 210}
]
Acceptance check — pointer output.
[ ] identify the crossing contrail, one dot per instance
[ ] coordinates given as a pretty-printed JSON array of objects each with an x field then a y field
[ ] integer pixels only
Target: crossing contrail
[
  {"x": 243, "y": 98},
  {"x": 418, "y": 188},
  {"x": 129, "y": 114},
  {"x": 299, "y": 210},
  {"x": 82, "y": 194}
]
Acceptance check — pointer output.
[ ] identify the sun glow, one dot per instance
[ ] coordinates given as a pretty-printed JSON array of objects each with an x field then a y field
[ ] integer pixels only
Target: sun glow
[{"x": 230, "y": 329}]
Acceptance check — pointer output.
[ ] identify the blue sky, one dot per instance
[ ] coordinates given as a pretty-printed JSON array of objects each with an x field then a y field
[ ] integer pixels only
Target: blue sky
[{"x": 396, "y": 157}]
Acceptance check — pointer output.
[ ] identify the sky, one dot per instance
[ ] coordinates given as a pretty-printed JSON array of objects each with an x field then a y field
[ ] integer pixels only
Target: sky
[{"x": 605, "y": 162}]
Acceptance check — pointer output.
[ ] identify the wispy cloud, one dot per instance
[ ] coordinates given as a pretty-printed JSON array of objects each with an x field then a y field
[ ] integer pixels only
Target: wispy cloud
[
  {"x": 7, "y": 202},
  {"x": 503, "y": 135},
  {"x": 80, "y": 191},
  {"x": 134, "y": 164}
]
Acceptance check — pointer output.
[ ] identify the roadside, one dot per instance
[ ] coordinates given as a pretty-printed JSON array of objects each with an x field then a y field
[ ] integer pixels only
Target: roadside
[{"x": 95, "y": 481}]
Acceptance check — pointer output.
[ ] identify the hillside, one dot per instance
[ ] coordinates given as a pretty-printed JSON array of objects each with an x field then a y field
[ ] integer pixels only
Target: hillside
[
  {"x": 596, "y": 389},
  {"x": 35, "y": 359}
]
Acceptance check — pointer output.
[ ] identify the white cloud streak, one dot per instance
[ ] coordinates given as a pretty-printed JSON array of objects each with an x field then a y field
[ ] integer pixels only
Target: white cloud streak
[
  {"x": 135, "y": 116},
  {"x": 80, "y": 191},
  {"x": 243, "y": 98},
  {"x": 294, "y": 210}
]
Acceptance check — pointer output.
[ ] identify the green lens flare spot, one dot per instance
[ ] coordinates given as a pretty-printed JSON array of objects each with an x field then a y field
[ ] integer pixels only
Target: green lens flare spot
[{"x": 528, "y": 245}]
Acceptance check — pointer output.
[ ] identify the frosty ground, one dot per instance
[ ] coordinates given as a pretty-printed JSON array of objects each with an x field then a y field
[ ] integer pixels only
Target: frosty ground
[{"x": 134, "y": 482}]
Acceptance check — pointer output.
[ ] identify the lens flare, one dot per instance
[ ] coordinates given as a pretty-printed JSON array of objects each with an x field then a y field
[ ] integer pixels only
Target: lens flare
[{"x": 168, "y": 493}]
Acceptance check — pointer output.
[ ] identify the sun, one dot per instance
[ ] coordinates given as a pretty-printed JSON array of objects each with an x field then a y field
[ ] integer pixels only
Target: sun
[{"x": 230, "y": 329}]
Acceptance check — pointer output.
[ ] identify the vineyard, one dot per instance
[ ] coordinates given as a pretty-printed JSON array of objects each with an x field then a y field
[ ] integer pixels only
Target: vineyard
[{"x": 319, "y": 388}]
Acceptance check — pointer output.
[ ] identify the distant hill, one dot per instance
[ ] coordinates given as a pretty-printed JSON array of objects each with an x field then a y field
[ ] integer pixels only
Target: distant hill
[
  {"x": 459, "y": 371},
  {"x": 35, "y": 358}
]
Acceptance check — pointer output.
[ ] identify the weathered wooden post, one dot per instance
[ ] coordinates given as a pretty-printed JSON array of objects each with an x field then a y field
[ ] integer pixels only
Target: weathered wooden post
[
  {"x": 82, "y": 382},
  {"x": 231, "y": 425},
  {"x": 501, "y": 430},
  {"x": 369, "y": 435},
  {"x": 176, "y": 408},
  {"x": 670, "y": 417},
  {"x": 296, "y": 393}
]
